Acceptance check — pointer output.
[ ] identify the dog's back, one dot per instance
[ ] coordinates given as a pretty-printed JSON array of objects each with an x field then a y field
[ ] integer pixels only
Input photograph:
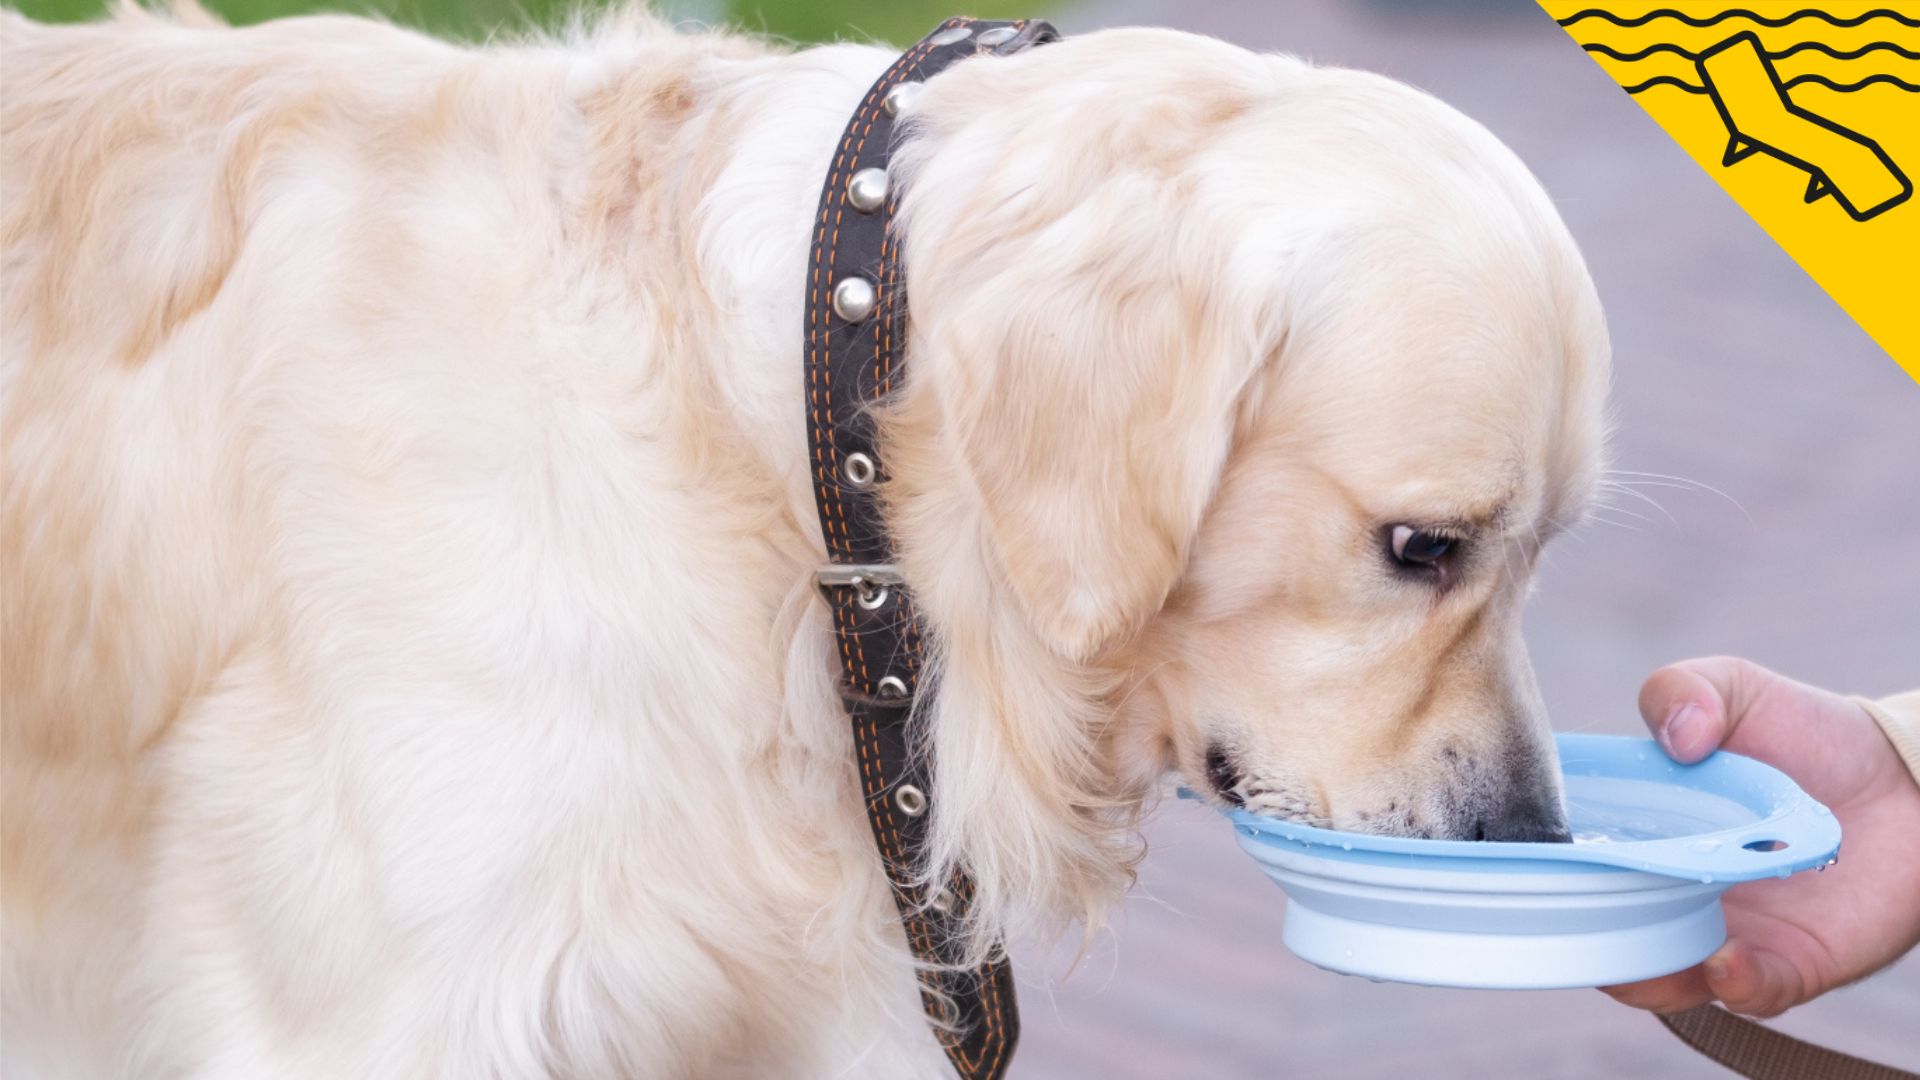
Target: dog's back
[
  {"x": 384, "y": 608},
  {"x": 139, "y": 154}
]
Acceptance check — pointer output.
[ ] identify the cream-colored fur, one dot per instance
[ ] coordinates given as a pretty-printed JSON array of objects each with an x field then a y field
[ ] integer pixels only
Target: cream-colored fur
[{"x": 410, "y": 662}]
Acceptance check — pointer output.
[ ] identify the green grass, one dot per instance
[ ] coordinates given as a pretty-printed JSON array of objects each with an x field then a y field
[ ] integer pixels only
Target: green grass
[
  {"x": 897, "y": 21},
  {"x": 901, "y": 22}
]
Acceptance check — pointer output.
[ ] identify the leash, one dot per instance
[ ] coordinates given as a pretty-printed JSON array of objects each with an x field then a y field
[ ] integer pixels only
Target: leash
[
  {"x": 856, "y": 321},
  {"x": 1758, "y": 1052}
]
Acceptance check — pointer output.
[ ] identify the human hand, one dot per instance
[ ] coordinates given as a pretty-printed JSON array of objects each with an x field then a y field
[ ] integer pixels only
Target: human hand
[{"x": 1792, "y": 940}]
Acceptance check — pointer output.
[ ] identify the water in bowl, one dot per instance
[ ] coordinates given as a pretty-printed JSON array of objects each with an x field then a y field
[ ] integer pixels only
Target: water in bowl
[{"x": 1614, "y": 810}]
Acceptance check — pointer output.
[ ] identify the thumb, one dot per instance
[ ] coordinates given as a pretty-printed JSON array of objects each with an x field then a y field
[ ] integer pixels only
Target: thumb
[
  {"x": 1693, "y": 706},
  {"x": 1754, "y": 981}
]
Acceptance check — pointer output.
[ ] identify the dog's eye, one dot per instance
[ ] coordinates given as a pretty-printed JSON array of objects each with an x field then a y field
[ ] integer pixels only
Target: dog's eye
[{"x": 1419, "y": 549}]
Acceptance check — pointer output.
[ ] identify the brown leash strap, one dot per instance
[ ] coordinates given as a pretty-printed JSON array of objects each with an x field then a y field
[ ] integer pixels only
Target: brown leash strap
[
  {"x": 1758, "y": 1052},
  {"x": 856, "y": 332}
]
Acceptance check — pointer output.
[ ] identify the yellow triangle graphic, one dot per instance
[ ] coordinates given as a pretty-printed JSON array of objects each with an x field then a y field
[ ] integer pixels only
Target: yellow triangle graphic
[{"x": 1807, "y": 112}]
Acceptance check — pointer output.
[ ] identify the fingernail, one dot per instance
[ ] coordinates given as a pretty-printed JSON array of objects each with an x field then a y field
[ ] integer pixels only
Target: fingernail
[
  {"x": 1682, "y": 730},
  {"x": 1720, "y": 963}
]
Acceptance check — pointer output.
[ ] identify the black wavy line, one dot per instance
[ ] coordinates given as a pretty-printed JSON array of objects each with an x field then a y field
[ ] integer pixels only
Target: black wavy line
[
  {"x": 1666, "y": 80},
  {"x": 1878, "y": 46},
  {"x": 1643, "y": 53},
  {"x": 1736, "y": 13},
  {"x": 1669, "y": 80},
  {"x": 1845, "y": 87}
]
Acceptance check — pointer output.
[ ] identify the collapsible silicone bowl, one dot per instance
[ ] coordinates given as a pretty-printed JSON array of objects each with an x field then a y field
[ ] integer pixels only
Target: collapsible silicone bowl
[{"x": 1635, "y": 896}]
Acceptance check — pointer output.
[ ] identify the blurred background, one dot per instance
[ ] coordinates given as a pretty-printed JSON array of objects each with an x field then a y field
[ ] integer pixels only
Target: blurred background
[
  {"x": 901, "y": 21},
  {"x": 1777, "y": 450}
]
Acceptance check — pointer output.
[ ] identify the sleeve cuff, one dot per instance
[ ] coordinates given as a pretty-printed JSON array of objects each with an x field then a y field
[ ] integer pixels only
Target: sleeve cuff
[{"x": 1899, "y": 717}]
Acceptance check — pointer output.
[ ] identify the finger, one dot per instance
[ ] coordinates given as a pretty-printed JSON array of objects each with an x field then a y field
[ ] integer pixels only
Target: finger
[
  {"x": 1754, "y": 981},
  {"x": 1673, "y": 993},
  {"x": 1693, "y": 706}
]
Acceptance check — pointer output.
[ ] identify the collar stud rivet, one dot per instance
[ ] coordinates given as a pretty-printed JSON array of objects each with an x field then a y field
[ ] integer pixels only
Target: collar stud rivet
[
  {"x": 867, "y": 190},
  {"x": 999, "y": 35},
  {"x": 900, "y": 99},
  {"x": 853, "y": 299}
]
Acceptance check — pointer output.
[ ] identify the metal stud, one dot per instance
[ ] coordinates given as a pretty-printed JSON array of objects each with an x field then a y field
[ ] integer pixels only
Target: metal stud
[
  {"x": 950, "y": 35},
  {"x": 853, "y": 299},
  {"x": 942, "y": 902},
  {"x": 999, "y": 35},
  {"x": 891, "y": 686},
  {"x": 859, "y": 469},
  {"x": 911, "y": 800},
  {"x": 901, "y": 98},
  {"x": 867, "y": 190},
  {"x": 870, "y": 596}
]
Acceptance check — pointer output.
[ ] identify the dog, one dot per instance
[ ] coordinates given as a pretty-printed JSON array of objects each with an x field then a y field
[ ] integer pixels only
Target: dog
[{"x": 412, "y": 666}]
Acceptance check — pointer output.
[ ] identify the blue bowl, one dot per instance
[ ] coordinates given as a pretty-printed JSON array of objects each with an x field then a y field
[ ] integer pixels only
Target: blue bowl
[{"x": 1636, "y": 895}]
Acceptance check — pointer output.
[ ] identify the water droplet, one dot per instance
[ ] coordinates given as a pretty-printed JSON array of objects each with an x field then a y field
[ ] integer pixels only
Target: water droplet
[
  {"x": 1706, "y": 879},
  {"x": 1349, "y": 954},
  {"x": 1346, "y": 845},
  {"x": 1640, "y": 755},
  {"x": 1783, "y": 874}
]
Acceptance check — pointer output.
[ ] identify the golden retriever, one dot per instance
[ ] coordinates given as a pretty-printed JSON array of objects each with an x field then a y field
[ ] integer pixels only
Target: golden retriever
[{"x": 412, "y": 666}]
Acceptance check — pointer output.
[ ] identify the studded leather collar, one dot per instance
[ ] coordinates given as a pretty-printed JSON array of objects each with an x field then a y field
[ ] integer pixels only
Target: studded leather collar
[{"x": 856, "y": 322}]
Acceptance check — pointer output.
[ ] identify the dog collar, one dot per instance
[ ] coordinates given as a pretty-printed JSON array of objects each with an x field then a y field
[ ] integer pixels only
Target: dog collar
[{"x": 856, "y": 323}]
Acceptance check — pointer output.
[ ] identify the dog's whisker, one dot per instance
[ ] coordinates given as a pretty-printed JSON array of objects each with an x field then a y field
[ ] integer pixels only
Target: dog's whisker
[
  {"x": 1652, "y": 479},
  {"x": 1653, "y": 502},
  {"x": 1601, "y": 519},
  {"x": 1569, "y": 527},
  {"x": 1602, "y": 508}
]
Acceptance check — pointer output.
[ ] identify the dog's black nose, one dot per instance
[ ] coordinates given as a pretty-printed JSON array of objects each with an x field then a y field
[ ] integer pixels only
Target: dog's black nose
[{"x": 1222, "y": 775}]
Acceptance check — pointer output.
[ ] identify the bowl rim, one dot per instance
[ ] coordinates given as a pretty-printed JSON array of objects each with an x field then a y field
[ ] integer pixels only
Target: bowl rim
[{"x": 1807, "y": 833}]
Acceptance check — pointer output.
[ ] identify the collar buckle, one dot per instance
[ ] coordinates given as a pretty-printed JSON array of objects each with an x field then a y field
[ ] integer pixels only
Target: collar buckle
[{"x": 871, "y": 582}]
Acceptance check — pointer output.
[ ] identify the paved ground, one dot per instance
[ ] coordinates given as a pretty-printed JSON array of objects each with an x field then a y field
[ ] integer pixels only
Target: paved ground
[{"x": 1733, "y": 370}]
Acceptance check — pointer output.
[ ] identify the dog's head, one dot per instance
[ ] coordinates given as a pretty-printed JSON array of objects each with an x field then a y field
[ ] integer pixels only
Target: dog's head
[{"x": 1246, "y": 394}]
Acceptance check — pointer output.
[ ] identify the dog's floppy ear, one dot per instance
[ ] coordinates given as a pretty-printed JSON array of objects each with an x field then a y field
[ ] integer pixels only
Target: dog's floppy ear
[{"x": 1086, "y": 392}]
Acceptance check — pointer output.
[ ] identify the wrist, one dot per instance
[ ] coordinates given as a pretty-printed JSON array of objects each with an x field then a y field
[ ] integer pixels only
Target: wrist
[{"x": 1899, "y": 721}]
